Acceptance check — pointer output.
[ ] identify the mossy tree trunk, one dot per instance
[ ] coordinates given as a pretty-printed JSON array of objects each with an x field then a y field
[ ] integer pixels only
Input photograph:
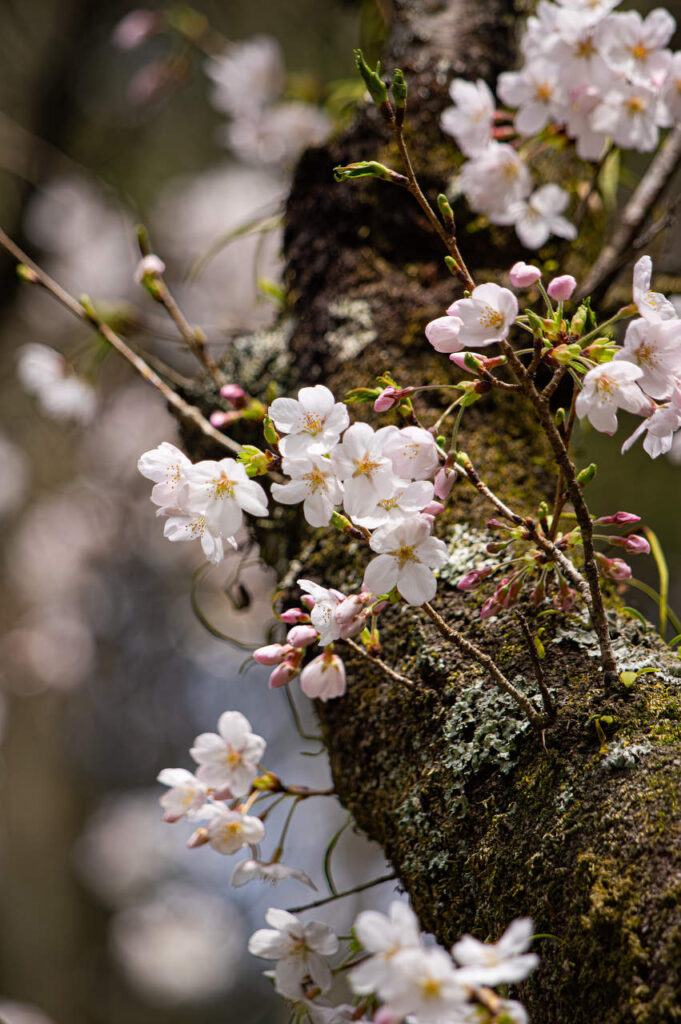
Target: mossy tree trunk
[{"x": 482, "y": 818}]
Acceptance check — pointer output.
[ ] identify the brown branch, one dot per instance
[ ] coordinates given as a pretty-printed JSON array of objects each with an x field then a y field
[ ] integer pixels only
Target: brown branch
[
  {"x": 185, "y": 411},
  {"x": 632, "y": 217}
]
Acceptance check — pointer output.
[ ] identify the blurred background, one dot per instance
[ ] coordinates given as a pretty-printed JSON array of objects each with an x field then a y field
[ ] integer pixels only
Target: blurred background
[{"x": 108, "y": 118}]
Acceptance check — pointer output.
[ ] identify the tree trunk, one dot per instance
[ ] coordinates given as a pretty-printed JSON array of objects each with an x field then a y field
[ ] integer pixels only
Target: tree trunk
[{"x": 482, "y": 818}]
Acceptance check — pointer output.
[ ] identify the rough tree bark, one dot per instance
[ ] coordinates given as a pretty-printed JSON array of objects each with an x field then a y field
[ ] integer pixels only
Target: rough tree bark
[{"x": 482, "y": 820}]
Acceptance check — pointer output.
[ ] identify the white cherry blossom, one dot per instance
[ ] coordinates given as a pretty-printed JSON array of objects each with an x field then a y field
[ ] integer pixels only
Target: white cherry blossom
[
  {"x": 273, "y": 872},
  {"x": 402, "y": 502},
  {"x": 487, "y": 316},
  {"x": 323, "y": 678},
  {"x": 313, "y": 422},
  {"x": 229, "y": 831},
  {"x": 659, "y": 428},
  {"x": 671, "y": 92},
  {"x": 300, "y": 951},
  {"x": 630, "y": 115},
  {"x": 542, "y": 216},
  {"x": 443, "y": 334},
  {"x": 634, "y": 46},
  {"x": 322, "y": 615},
  {"x": 229, "y": 757},
  {"x": 607, "y": 388},
  {"x": 577, "y": 53},
  {"x": 221, "y": 492},
  {"x": 537, "y": 93},
  {"x": 247, "y": 76},
  {"x": 384, "y": 936},
  {"x": 652, "y": 306},
  {"x": 589, "y": 143},
  {"x": 504, "y": 962},
  {"x": 494, "y": 180},
  {"x": 61, "y": 394},
  {"x": 413, "y": 453},
  {"x": 407, "y": 554},
  {"x": 182, "y": 526},
  {"x": 425, "y": 983},
  {"x": 313, "y": 482},
  {"x": 471, "y": 118},
  {"x": 186, "y": 795},
  {"x": 656, "y": 348},
  {"x": 168, "y": 467},
  {"x": 363, "y": 467}
]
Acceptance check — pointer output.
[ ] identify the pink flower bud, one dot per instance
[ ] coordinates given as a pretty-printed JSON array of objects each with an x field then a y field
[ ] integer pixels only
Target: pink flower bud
[
  {"x": 561, "y": 288},
  {"x": 235, "y": 395},
  {"x": 292, "y": 616},
  {"x": 308, "y": 601},
  {"x": 221, "y": 419},
  {"x": 619, "y": 518},
  {"x": 385, "y": 1016},
  {"x": 273, "y": 654},
  {"x": 434, "y": 508},
  {"x": 389, "y": 398},
  {"x": 427, "y": 517},
  {"x": 444, "y": 481},
  {"x": 523, "y": 275},
  {"x": 634, "y": 543},
  {"x": 443, "y": 333},
  {"x": 472, "y": 579},
  {"x": 302, "y": 636},
  {"x": 459, "y": 359},
  {"x": 135, "y": 28},
  {"x": 614, "y": 568},
  {"x": 283, "y": 674},
  {"x": 379, "y": 607},
  {"x": 198, "y": 838},
  {"x": 490, "y": 608}
]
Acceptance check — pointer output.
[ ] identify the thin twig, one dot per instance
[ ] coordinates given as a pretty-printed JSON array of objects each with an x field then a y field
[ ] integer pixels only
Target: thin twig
[
  {"x": 186, "y": 411},
  {"x": 547, "y": 699},
  {"x": 632, "y": 217},
  {"x": 340, "y": 895},
  {"x": 358, "y": 649},
  {"x": 486, "y": 662}
]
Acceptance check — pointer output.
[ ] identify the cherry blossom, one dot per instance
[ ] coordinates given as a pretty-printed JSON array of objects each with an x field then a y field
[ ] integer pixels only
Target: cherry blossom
[
  {"x": 656, "y": 349},
  {"x": 384, "y": 936},
  {"x": 313, "y": 422},
  {"x": 630, "y": 114},
  {"x": 300, "y": 951},
  {"x": 230, "y": 758},
  {"x": 322, "y": 615},
  {"x": 487, "y": 316},
  {"x": 470, "y": 120},
  {"x": 314, "y": 483},
  {"x": 248, "y": 870},
  {"x": 168, "y": 467},
  {"x": 425, "y": 983},
  {"x": 495, "y": 179},
  {"x": 364, "y": 468},
  {"x": 248, "y": 76},
  {"x": 659, "y": 428},
  {"x": 407, "y": 554},
  {"x": 606, "y": 389},
  {"x": 402, "y": 502},
  {"x": 443, "y": 333},
  {"x": 229, "y": 831},
  {"x": 504, "y": 962},
  {"x": 536, "y": 92},
  {"x": 634, "y": 46},
  {"x": 652, "y": 306},
  {"x": 542, "y": 216},
  {"x": 219, "y": 491},
  {"x": 186, "y": 796},
  {"x": 323, "y": 678},
  {"x": 62, "y": 395},
  {"x": 180, "y": 526},
  {"x": 413, "y": 452}
]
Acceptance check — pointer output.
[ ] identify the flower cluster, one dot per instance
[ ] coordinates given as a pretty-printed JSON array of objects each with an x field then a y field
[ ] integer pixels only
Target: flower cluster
[
  {"x": 248, "y": 83},
  {"x": 221, "y": 792},
  {"x": 400, "y": 978},
  {"x": 202, "y": 501},
  {"x": 596, "y": 74}
]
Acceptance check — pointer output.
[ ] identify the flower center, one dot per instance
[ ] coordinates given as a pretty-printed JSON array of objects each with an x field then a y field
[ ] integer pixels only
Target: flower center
[
  {"x": 585, "y": 48},
  {"x": 490, "y": 317},
  {"x": 223, "y": 487},
  {"x": 635, "y": 105},
  {"x": 173, "y": 476},
  {"x": 646, "y": 355},
  {"x": 605, "y": 388},
  {"x": 312, "y": 423},
  {"x": 365, "y": 466},
  {"x": 230, "y": 829},
  {"x": 405, "y": 553},
  {"x": 196, "y": 526},
  {"x": 315, "y": 480},
  {"x": 544, "y": 92},
  {"x": 639, "y": 52},
  {"x": 430, "y": 988},
  {"x": 232, "y": 758}
]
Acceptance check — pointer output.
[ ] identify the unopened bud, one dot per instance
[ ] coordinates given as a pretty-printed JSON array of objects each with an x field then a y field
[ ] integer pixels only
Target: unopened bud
[
  {"x": 235, "y": 395},
  {"x": 372, "y": 79},
  {"x": 293, "y": 616},
  {"x": 523, "y": 275},
  {"x": 302, "y": 636},
  {"x": 585, "y": 476},
  {"x": 561, "y": 288}
]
